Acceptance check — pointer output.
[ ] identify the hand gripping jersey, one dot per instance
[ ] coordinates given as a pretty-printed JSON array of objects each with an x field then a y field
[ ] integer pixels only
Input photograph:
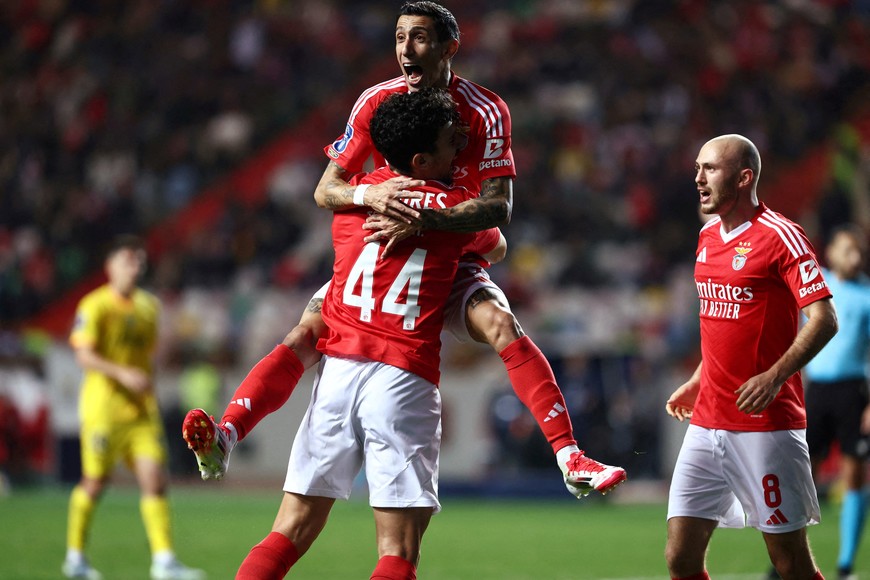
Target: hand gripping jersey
[
  {"x": 392, "y": 310},
  {"x": 485, "y": 120},
  {"x": 752, "y": 283}
]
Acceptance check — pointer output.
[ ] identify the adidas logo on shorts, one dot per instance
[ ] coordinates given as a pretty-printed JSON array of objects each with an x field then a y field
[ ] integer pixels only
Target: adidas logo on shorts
[{"x": 776, "y": 518}]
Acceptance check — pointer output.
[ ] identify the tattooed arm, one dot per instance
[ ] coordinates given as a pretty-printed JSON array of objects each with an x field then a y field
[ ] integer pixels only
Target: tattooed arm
[
  {"x": 491, "y": 209},
  {"x": 334, "y": 193}
]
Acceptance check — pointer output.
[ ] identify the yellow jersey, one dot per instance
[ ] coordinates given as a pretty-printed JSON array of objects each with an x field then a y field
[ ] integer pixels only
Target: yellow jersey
[{"x": 124, "y": 331}]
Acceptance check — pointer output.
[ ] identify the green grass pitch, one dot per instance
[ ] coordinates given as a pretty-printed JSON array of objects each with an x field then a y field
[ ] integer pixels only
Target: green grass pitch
[{"x": 214, "y": 528}]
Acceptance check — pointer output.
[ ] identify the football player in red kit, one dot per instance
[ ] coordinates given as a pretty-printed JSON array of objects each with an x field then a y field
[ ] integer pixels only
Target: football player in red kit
[
  {"x": 427, "y": 38},
  {"x": 744, "y": 459}
]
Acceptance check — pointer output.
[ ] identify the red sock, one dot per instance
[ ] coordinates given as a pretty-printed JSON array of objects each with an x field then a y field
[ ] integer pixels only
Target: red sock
[
  {"x": 394, "y": 568},
  {"x": 534, "y": 383},
  {"x": 266, "y": 388},
  {"x": 270, "y": 559},
  {"x": 701, "y": 576}
]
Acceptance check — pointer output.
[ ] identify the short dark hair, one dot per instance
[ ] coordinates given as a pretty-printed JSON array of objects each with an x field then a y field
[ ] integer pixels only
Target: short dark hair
[
  {"x": 408, "y": 123},
  {"x": 125, "y": 242},
  {"x": 445, "y": 23}
]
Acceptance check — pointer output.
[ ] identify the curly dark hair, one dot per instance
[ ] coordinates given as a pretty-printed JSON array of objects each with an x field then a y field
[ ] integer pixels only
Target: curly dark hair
[
  {"x": 408, "y": 123},
  {"x": 445, "y": 23}
]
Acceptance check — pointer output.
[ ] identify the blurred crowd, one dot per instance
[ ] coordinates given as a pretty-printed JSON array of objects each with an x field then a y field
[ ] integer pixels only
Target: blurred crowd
[{"x": 117, "y": 116}]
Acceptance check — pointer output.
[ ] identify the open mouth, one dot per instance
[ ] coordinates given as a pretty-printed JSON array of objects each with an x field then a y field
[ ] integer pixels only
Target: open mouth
[{"x": 413, "y": 72}]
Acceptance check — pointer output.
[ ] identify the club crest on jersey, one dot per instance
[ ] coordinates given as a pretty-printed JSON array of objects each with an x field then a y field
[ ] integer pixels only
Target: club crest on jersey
[
  {"x": 340, "y": 145},
  {"x": 738, "y": 261}
]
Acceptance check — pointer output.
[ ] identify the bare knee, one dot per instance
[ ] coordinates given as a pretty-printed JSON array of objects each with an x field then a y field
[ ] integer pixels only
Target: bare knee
[
  {"x": 302, "y": 340},
  {"x": 400, "y": 531},
  {"x": 93, "y": 487},
  {"x": 682, "y": 561},
  {"x": 790, "y": 554},
  {"x": 686, "y": 549},
  {"x": 492, "y": 322},
  {"x": 301, "y": 519}
]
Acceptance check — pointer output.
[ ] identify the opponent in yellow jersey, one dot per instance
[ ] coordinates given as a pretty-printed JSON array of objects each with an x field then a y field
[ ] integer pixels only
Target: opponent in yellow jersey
[
  {"x": 122, "y": 330},
  {"x": 114, "y": 337}
]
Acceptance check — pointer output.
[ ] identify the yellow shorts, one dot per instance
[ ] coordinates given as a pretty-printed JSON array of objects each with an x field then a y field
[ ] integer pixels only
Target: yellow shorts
[{"x": 103, "y": 445}]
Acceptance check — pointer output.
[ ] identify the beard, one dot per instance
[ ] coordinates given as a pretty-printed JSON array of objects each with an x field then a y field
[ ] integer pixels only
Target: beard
[{"x": 720, "y": 199}]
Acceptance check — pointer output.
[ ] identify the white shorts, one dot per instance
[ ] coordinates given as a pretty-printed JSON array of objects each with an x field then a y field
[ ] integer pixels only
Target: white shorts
[
  {"x": 368, "y": 411},
  {"x": 741, "y": 478},
  {"x": 470, "y": 277}
]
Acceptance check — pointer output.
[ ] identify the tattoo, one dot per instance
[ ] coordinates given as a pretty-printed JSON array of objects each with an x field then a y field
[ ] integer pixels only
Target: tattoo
[
  {"x": 337, "y": 193},
  {"x": 314, "y": 305},
  {"x": 490, "y": 210},
  {"x": 481, "y": 296}
]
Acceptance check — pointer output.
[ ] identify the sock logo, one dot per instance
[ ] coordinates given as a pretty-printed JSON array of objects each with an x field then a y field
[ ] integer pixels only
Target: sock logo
[
  {"x": 245, "y": 402},
  {"x": 555, "y": 412}
]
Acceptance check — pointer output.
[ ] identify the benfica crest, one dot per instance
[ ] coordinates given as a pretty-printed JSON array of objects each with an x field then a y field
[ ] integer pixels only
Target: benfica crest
[{"x": 738, "y": 261}]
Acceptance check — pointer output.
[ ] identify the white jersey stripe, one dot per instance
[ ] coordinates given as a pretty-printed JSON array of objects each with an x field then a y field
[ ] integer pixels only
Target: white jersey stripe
[
  {"x": 776, "y": 227},
  {"x": 493, "y": 123},
  {"x": 712, "y": 222},
  {"x": 490, "y": 104},
  {"x": 790, "y": 230},
  {"x": 370, "y": 92},
  {"x": 488, "y": 117},
  {"x": 498, "y": 130}
]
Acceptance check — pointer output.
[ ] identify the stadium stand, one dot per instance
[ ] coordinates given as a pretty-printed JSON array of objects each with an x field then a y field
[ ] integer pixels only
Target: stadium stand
[{"x": 200, "y": 124}]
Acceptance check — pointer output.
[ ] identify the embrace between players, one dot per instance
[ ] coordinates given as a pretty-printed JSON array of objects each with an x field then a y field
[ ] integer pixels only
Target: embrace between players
[
  {"x": 382, "y": 313},
  {"x": 405, "y": 266}
]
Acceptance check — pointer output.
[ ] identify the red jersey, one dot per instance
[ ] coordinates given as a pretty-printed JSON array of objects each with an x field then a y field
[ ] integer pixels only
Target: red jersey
[
  {"x": 392, "y": 310},
  {"x": 752, "y": 283},
  {"x": 485, "y": 120}
]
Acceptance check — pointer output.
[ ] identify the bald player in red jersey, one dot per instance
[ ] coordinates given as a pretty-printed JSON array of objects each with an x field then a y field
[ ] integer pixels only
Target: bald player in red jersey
[
  {"x": 744, "y": 459},
  {"x": 427, "y": 38}
]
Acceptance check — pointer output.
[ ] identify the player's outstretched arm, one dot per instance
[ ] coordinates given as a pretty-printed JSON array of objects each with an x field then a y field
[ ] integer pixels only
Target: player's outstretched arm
[
  {"x": 491, "y": 210},
  {"x": 682, "y": 401},
  {"x": 759, "y": 391},
  {"x": 333, "y": 192}
]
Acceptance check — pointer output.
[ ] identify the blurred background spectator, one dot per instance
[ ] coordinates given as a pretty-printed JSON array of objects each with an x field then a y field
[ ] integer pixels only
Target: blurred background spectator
[{"x": 200, "y": 125}]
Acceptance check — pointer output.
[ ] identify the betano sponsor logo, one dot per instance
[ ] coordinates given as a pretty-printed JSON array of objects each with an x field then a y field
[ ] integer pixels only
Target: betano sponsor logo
[
  {"x": 812, "y": 289},
  {"x": 494, "y": 163}
]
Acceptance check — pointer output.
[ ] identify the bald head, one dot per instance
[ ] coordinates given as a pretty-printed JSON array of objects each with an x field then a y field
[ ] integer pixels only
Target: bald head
[{"x": 740, "y": 151}]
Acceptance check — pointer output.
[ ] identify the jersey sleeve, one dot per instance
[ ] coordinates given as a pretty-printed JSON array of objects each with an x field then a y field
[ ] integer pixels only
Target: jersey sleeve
[
  {"x": 799, "y": 267},
  {"x": 352, "y": 148},
  {"x": 483, "y": 242},
  {"x": 494, "y": 150},
  {"x": 86, "y": 325}
]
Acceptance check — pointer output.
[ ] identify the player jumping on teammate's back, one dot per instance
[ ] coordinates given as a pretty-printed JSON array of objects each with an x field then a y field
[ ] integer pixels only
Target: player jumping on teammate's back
[{"x": 427, "y": 38}]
